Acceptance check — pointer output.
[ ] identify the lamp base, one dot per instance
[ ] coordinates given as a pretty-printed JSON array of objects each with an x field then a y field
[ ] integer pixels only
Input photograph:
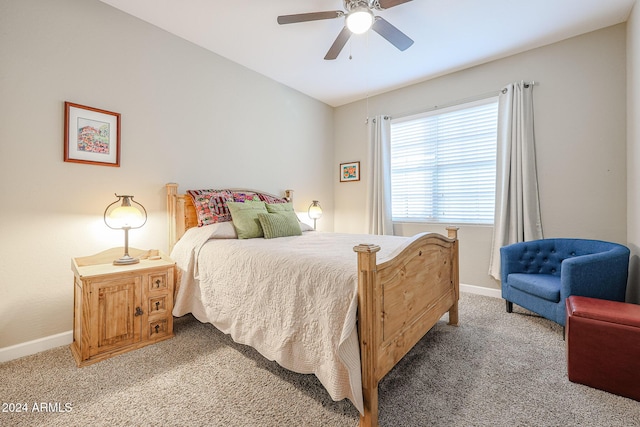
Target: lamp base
[{"x": 126, "y": 260}]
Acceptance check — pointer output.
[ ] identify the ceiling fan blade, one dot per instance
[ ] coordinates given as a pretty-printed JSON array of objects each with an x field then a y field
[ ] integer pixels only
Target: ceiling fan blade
[
  {"x": 391, "y": 33},
  {"x": 313, "y": 16},
  {"x": 386, "y": 4},
  {"x": 338, "y": 44}
]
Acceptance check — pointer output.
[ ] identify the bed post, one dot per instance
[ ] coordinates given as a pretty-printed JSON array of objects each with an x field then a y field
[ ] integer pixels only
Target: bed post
[
  {"x": 172, "y": 192},
  {"x": 368, "y": 329},
  {"x": 452, "y": 233},
  {"x": 288, "y": 195},
  {"x": 175, "y": 214}
]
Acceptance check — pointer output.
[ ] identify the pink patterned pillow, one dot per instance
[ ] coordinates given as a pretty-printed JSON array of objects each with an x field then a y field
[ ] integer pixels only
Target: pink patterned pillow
[
  {"x": 270, "y": 199},
  {"x": 211, "y": 205},
  {"x": 241, "y": 197}
]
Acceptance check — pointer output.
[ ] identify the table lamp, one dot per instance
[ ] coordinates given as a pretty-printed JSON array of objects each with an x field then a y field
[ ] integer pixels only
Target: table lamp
[
  {"x": 125, "y": 216},
  {"x": 315, "y": 212}
]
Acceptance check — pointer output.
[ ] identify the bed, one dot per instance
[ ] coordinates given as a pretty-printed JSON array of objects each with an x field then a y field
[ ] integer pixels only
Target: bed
[{"x": 362, "y": 303}]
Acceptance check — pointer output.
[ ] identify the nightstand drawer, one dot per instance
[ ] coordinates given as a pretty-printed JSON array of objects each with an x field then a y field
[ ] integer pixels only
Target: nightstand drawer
[
  {"x": 158, "y": 305},
  {"x": 158, "y": 282},
  {"x": 158, "y": 328}
]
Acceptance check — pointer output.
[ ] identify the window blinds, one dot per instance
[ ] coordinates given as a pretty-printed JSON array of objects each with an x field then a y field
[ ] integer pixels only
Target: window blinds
[{"x": 443, "y": 164}]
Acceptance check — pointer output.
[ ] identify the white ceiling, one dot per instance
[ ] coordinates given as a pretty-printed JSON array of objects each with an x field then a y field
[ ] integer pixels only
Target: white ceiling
[{"x": 449, "y": 35}]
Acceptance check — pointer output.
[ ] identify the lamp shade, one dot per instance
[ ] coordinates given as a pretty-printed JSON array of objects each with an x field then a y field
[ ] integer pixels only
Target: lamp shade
[
  {"x": 359, "y": 20},
  {"x": 126, "y": 214}
]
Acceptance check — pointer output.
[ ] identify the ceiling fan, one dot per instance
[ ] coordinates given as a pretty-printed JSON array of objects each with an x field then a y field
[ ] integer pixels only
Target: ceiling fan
[{"x": 359, "y": 18}]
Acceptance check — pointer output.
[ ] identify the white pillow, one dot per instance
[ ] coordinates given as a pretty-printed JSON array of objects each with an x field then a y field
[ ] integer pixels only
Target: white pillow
[
  {"x": 221, "y": 230},
  {"x": 305, "y": 226}
]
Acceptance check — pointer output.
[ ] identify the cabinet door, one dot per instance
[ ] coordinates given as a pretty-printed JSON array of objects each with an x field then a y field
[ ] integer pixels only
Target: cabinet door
[{"x": 115, "y": 320}]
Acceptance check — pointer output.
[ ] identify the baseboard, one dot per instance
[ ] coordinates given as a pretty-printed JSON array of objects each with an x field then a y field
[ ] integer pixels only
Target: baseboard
[
  {"x": 481, "y": 290},
  {"x": 36, "y": 346}
]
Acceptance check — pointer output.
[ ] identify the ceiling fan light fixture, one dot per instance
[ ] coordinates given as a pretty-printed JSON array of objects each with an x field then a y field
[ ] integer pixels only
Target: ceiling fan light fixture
[{"x": 359, "y": 20}]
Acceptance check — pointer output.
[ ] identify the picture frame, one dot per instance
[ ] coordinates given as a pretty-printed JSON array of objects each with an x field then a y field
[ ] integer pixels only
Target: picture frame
[
  {"x": 349, "y": 171},
  {"x": 91, "y": 135}
]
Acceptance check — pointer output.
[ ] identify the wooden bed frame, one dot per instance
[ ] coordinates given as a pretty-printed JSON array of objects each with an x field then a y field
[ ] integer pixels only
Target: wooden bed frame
[{"x": 399, "y": 300}]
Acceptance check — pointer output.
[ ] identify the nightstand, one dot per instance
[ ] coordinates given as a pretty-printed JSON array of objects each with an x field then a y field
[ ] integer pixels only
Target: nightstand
[{"x": 118, "y": 308}]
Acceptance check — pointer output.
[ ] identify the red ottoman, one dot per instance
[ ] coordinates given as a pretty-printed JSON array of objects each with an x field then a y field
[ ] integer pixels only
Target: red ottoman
[{"x": 603, "y": 345}]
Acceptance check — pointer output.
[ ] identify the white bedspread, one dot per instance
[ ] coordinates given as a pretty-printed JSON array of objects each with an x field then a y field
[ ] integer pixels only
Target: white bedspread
[{"x": 294, "y": 299}]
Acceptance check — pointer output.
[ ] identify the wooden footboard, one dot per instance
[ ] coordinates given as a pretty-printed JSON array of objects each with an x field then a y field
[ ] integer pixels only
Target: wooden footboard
[{"x": 399, "y": 302}]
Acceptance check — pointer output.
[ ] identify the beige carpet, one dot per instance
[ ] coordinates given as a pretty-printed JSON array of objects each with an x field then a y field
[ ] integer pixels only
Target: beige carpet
[{"x": 496, "y": 369}]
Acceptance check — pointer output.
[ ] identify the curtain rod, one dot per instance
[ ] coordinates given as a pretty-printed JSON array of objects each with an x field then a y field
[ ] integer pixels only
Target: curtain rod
[
  {"x": 525, "y": 84},
  {"x": 451, "y": 103}
]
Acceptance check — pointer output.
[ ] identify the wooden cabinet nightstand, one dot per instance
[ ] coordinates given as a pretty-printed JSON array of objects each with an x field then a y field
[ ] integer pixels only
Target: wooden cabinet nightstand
[{"x": 118, "y": 308}]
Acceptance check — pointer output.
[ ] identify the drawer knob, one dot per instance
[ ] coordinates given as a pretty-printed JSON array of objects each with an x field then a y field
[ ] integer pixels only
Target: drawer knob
[
  {"x": 157, "y": 328},
  {"x": 138, "y": 311},
  {"x": 157, "y": 305},
  {"x": 158, "y": 283}
]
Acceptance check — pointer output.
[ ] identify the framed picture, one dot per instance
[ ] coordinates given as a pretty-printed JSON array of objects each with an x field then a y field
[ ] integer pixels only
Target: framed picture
[
  {"x": 350, "y": 171},
  {"x": 91, "y": 135}
]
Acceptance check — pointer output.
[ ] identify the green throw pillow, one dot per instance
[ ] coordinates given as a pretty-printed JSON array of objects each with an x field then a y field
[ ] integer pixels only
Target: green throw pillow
[
  {"x": 280, "y": 207},
  {"x": 245, "y": 218},
  {"x": 279, "y": 224}
]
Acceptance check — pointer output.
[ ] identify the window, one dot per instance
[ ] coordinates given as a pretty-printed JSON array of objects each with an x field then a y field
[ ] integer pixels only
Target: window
[{"x": 443, "y": 164}]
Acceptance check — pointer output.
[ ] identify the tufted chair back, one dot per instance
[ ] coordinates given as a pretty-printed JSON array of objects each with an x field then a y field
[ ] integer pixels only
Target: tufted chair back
[{"x": 545, "y": 256}]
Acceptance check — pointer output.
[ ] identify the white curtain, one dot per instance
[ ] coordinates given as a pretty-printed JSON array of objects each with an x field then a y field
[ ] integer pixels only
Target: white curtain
[
  {"x": 379, "y": 175},
  {"x": 517, "y": 212}
]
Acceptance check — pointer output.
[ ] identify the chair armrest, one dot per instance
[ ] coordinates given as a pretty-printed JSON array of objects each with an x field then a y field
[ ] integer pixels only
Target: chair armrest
[{"x": 602, "y": 275}]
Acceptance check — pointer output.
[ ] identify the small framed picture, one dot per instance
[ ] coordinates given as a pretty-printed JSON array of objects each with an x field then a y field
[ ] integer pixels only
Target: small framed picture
[
  {"x": 350, "y": 171},
  {"x": 91, "y": 135}
]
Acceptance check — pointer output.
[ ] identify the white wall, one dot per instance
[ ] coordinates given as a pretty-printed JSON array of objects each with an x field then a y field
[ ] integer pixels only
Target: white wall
[
  {"x": 580, "y": 127},
  {"x": 633, "y": 153},
  {"x": 188, "y": 116}
]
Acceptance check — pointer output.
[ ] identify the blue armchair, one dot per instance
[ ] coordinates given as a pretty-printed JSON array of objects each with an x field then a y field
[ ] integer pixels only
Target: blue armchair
[{"x": 539, "y": 275}]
